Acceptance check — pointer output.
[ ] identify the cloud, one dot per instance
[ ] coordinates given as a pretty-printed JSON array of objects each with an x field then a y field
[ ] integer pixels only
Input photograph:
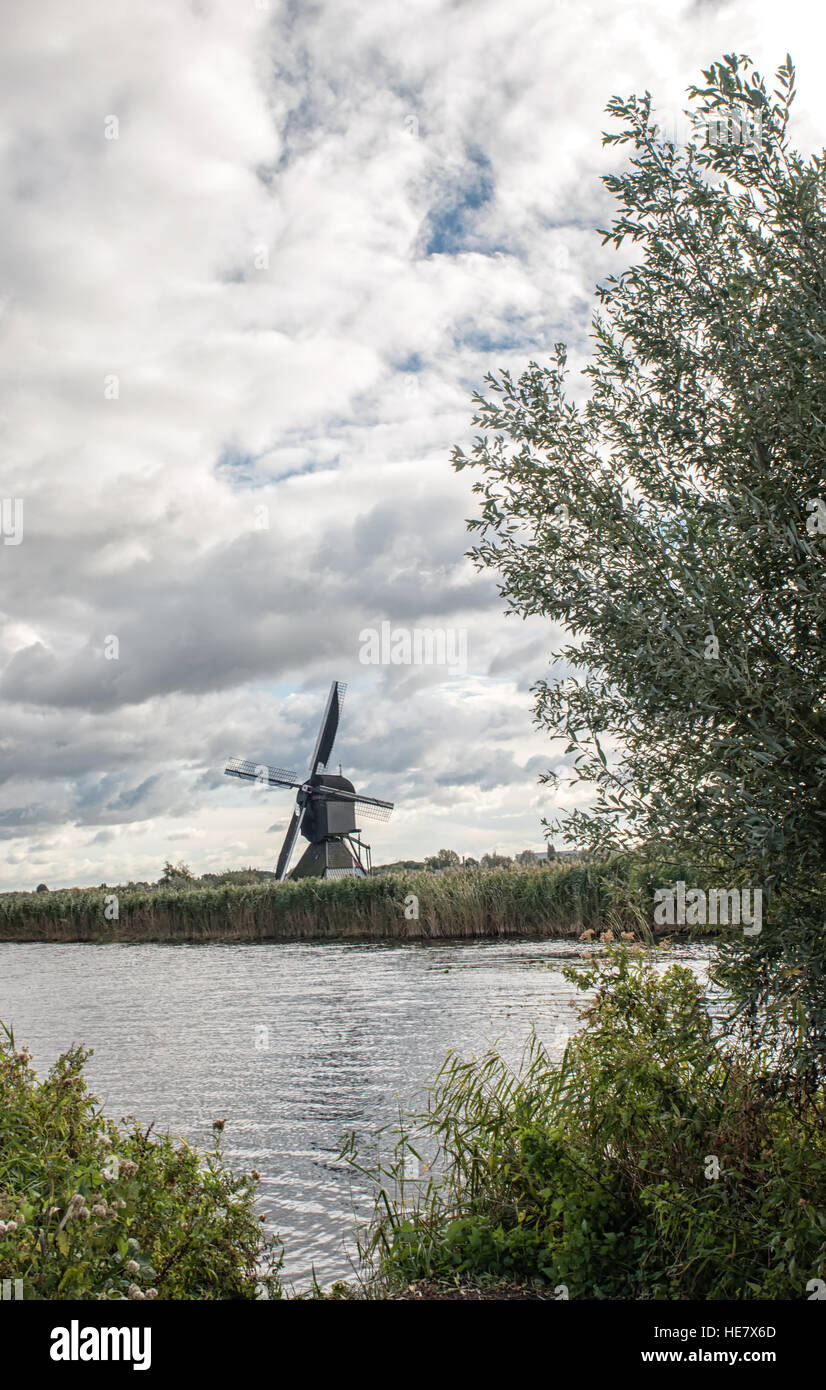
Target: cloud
[{"x": 241, "y": 323}]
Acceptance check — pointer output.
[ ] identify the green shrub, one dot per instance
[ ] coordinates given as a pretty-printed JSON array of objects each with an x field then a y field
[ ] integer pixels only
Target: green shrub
[
  {"x": 596, "y": 1172},
  {"x": 91, "y": 1210}
]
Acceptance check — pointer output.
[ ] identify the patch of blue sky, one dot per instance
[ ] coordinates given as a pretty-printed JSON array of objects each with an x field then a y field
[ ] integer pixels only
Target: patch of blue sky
[
  {"x": 237, "y": 466},
  {"x": 451, "y": 226},
  {"x": 413, "y": 362},
  {"x": 481, "y": 340},
  {"x": 249, "y": 471},
  {"x": 281, "y": 474}
]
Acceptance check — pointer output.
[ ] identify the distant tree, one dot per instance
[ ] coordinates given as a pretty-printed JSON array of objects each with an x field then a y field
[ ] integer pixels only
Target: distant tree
[
  {"x": 444, "y": 859},
  {"x": 495, "y": 861},
  {"x": 41, "y": 888},
  {"x": 471, "y": 863},
  {"x": 526, "y": 857},
  {"x": 176, "y": 874},
  {"x": 398, "y": 865}
]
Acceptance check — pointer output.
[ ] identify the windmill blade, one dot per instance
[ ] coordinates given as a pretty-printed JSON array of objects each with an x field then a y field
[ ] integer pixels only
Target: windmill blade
[
  {"x": 329, "y": 727},
  {"x": 260, "y": 772},
  {"x": 373, "y": 810},
  {"x": 288, "y": 845},
  {"x": 368, "y": 806}
]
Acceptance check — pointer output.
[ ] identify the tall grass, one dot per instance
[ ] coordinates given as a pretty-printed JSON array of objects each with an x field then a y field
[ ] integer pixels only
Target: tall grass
[{"x": 504, "y": 902}]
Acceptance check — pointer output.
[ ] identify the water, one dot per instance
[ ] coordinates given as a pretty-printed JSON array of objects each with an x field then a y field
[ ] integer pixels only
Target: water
[{"x": 293, "y": 1045}]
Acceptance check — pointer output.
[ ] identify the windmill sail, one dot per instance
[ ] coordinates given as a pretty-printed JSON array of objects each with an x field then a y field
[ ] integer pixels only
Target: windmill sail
[
  {"x": 369, "y": 806},
  {"x": 260, "y": 772},
  {"x": 329, "y": 727},
  {"x": 289, "y": 844}
]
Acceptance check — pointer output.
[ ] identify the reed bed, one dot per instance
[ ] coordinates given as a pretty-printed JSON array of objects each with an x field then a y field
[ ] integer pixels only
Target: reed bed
[{"x": 451, "y": 905}]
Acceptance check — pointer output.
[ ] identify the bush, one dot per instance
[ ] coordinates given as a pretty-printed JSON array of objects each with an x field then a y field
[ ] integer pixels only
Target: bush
[
  {"x": 655, "y": 1160},
  {"x": 90, "y": 1210}
]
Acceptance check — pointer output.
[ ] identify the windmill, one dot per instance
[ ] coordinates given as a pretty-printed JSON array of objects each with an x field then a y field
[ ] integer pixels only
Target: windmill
[{"x": 325, "y": 807}]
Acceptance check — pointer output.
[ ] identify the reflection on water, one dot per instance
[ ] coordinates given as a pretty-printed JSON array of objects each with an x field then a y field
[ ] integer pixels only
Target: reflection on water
[{"x": 292, "y": 1044}]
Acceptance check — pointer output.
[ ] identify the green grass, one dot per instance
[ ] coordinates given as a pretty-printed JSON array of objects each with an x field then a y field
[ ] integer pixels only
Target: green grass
[{"x": 452, "y": 904}]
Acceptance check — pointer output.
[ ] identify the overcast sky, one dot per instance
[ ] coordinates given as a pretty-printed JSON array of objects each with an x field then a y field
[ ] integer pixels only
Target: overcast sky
[{"x": 241, "y": 325}]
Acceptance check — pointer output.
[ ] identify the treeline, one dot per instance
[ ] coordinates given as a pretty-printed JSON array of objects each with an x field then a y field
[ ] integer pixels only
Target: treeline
[
  {"x": 181, "y": 876},
  {"x": 449, "y": 859}
]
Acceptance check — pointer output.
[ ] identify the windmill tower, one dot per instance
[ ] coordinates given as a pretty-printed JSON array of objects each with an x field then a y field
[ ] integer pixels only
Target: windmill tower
[{"x": 326, "y": 806}]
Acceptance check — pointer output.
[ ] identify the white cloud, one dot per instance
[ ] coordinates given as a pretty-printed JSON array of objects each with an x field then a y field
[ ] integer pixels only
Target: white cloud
[{"x": 316, "y": 231}]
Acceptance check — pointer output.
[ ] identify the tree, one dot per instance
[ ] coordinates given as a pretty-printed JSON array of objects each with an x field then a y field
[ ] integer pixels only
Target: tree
[
  {"x": 176, "y": 874},
  {"x": 674, "y": 524},
  {"x": 526, "y": 857},
  {"x": 495, "y": 861},
  {"x": 444, "y": 859}
]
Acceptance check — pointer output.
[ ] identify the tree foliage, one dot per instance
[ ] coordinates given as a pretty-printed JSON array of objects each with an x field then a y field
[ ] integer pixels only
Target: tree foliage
[
  {"x": 673, "y": 525},
  {"x": 495, "y": 861},
  {"x": 176, "y": 875},
  {"x": 443, "y": 859}
]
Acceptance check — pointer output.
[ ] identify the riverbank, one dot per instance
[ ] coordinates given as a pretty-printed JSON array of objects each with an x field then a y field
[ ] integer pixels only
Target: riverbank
[
  {"x": 454, "y": 905},
  {"x": 661, "y": 1159}
]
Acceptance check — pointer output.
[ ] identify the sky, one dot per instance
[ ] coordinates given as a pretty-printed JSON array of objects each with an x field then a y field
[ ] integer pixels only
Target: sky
[{"x": 255, "y": 258}]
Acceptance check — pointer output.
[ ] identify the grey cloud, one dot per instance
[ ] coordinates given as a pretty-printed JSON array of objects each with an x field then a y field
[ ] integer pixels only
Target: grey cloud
[{"x": 413, "y": 176}]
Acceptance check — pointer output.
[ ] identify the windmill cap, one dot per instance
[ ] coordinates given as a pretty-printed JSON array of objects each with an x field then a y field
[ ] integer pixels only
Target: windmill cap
[{"x": 336, "y": 783}]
